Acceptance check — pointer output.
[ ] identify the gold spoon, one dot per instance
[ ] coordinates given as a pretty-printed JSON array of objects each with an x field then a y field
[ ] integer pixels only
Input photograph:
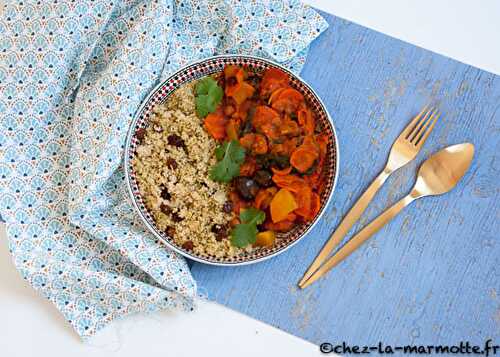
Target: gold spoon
[{"x": 438, "y": 174}]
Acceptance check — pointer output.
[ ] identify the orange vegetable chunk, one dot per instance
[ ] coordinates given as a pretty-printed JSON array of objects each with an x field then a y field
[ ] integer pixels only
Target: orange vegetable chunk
[
  {"x": 215, "y": 124},
  {"x": 306, "y": 120},
  {"x": 267, "y": 121},
  {"x": 264, "y": 197},
  {"x": 248, "y": 167},
  {"x": 290, "y": 182},
  {"x": 303, "y": 159},
  {"x": 281, "y": 172},
  {"x": 289, "y": 100},
  {"x": 304, "y": 199},
  {"x": 242, "y": 93},
  {"x": 265, "y": 239},
  {"x": 272, "y": 80},
  {"x": 232, "y": 129},
  {"x": 281, "y": 205},
  {"x": 283, "y": 226},
  {"x": 260, "y": 144},
  {"x": 315, "y": 206}
]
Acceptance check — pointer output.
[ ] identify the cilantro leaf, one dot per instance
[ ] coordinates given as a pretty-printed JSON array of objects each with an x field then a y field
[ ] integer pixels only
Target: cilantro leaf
[
  {"x": 208, "y": 96},
  {"x": 252, "y": 216},
  {"x": 245, "y": 233},
  {"x": 230, "y": 156}
]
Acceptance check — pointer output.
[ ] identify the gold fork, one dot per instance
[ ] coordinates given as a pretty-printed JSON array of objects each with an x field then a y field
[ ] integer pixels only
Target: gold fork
[{"x": 405, "y": 149}]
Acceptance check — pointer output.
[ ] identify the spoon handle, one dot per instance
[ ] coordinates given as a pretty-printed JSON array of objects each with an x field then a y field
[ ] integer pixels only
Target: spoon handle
[{"x": 360, "y": 238}]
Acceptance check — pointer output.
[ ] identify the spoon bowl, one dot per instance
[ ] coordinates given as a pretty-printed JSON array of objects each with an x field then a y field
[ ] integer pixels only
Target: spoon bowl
[{"x": 443, "y": 170}]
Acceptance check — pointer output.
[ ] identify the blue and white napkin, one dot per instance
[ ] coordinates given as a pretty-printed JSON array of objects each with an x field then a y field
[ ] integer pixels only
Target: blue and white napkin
[{"x": 72, "y": 74}]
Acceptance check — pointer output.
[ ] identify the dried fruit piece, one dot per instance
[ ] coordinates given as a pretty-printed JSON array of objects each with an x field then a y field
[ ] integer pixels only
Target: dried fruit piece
[
  {"x": 165, "y": 194},
  {"x": 140, "y": 134},
  {"x": 188, "y": 245}
]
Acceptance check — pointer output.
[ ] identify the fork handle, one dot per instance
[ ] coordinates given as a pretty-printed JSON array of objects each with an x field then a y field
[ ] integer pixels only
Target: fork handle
[
  {"x": 360, "y": 238},
  {"x": 352, "y": 217}
]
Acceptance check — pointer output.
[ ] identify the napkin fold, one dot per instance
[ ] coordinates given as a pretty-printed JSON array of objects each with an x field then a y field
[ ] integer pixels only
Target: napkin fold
[{"x": 72, "y": 75}]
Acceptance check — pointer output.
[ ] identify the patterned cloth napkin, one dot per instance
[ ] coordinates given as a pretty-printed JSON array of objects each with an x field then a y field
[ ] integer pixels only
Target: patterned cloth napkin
[{"x": 72, "y": 74}]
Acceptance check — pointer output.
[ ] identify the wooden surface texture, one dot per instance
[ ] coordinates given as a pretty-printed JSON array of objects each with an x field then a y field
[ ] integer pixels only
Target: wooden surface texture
[{"x": 433, "y": 274}]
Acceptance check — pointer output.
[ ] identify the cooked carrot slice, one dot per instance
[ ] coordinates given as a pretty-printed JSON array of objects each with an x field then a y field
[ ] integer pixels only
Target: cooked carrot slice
[
  {"x": 289, "y": 127},
  {"x": 306, "y": 120},
  {"x": 264, "y": 114},
  {"x": 304, "y": 198},
  {"x": 260, "y": 144},
  {"x": 283, "y": 226},
  {"x": 288, "y": 101},
  {"x": 215, "y": 124},
  {"x": 310, "y": 144},
  {"x": 275, "y": 94},
  {"x": 303, "y": 159},
  {"x": 248, "y": 167},
  {"x": 313, "y": 179},
  {"x": 264, "y": 197},
  {"x": 272, "y": 80},
  {"x": 247, "y": 141},
  {"x": 281, "y": 172},
  {"x": 291, "y": 182},
  {"x": 267, "y": 121},
  {"x": 315, "y": 205},
  {"x": 322, "y": 141}
]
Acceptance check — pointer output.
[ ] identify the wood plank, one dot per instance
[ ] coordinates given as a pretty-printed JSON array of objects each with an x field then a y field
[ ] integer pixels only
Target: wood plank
[{"x": 432, "y": 275}]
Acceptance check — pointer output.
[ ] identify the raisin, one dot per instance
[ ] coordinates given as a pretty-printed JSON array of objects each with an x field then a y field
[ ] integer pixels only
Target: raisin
[
  {"x": 175, "y": 140},
  {"x": 246, "y": 187},
  {"x": 263, "y": 178},
  {"x": 165, "y": 194},
  {"x": 140, "y": 134},
  {"x": 170, "y": 231},
  {"x": 220, "y": 231},
  {"x": 171, "y": 163},
  {"x": 227, "y": 207},
  {"x": 175, "y": 217},
  {"x": 166, "y": 209},
  {"x": 188, "y": 245}
]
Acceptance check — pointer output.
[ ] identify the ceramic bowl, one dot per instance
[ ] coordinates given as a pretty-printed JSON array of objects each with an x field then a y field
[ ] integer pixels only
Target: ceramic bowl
[{"x": 201, "y": 69}]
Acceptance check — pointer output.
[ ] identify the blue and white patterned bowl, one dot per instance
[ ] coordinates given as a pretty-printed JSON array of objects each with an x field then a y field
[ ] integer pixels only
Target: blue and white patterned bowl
[{"x": 201, "y": 69}]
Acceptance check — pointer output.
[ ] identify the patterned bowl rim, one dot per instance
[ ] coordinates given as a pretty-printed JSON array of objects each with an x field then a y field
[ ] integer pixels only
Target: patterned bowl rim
[{"x": 128, "y": 173}]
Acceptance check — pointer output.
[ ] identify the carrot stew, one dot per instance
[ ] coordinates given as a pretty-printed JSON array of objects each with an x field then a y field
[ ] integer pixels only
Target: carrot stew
[{"x": 271, "y": 152}]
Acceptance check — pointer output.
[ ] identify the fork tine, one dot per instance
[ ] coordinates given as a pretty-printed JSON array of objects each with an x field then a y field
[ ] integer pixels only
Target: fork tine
[
  {"x": 420, "y": 128},
  {"x": 420, "y": 125},
  {"x": 420, "y": 141},
  {"x": 409, "y": 128}
]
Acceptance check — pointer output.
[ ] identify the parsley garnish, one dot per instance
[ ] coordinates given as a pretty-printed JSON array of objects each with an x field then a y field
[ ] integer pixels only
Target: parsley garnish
[
  {"x": 208, "y": 96},
  {"x": 246, "y": 232},
  {"x": 230, "y": 156}
]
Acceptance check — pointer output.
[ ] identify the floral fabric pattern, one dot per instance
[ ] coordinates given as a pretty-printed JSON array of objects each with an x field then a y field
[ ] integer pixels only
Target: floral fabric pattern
[{"x": 72, "y": 75}]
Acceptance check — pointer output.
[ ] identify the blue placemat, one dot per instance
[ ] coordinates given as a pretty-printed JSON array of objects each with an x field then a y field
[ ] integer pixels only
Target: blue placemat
[{"x": 432, "y": 275}]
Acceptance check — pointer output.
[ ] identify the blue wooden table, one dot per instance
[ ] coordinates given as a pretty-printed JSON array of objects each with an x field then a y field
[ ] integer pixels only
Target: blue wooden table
[{"x": 433, "y": 274}]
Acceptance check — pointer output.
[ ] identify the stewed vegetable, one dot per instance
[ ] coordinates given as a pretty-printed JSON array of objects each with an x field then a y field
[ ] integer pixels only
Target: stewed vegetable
[{"x": 271, "y": 151}]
